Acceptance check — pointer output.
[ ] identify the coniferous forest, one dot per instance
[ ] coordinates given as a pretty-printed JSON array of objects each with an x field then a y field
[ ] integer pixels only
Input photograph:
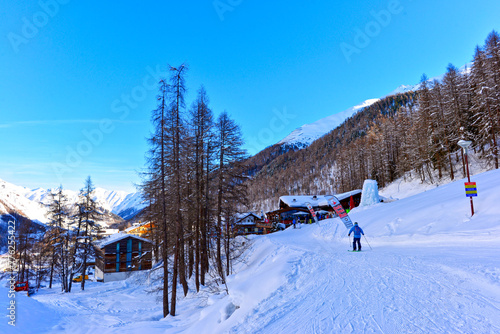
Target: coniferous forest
[
  {"x": 414, "y": 132},
  {"x": 194, "y": 185}
]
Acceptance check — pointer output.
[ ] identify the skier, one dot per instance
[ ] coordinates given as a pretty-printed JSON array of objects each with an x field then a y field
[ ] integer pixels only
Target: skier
[
  {"x": 357, "y": 236},
  {"x": 294, "y": 222}
]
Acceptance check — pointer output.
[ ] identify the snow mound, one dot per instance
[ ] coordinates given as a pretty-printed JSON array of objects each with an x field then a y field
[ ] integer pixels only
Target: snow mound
[
  {"x": 369, "y": 196},
  {"x": 31, "y": 316}
]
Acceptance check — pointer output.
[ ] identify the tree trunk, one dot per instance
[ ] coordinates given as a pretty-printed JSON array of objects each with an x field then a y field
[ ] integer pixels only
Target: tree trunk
[
  {"x": 173, "y": 301},
  {"x": 52, "y": 268}
]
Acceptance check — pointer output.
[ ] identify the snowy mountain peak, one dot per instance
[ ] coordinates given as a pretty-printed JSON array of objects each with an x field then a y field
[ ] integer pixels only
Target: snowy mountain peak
[
  {"x": 303, "y": 136},
  {"x": 404, "y": 89},
  {"x": 13, "y": 199},
  {"x": 32, "y": 202},
  {"x": 307, "y": 133}
]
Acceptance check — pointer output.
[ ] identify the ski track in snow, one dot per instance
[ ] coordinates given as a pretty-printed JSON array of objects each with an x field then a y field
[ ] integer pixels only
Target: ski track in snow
[
  {"x": 397, "y": 290},
  {"x": 325, "y": 289}
]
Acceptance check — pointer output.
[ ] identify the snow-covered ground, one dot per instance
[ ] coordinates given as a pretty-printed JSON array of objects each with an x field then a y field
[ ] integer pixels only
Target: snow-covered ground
[{"x": 432, "y": 269}]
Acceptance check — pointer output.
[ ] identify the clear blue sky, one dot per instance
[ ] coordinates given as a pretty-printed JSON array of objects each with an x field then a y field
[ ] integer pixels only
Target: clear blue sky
[{"x": 77, "y": 79}]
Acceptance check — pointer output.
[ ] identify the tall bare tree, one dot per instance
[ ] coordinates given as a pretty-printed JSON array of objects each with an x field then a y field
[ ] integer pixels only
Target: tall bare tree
[
  {"x": 231, "y": 190},
  {"x": 91, "y": 214},
  {"x": 154, "y": 187},
  {"x": 60, "y": 235},
  {"x": 201, "y": 124}
]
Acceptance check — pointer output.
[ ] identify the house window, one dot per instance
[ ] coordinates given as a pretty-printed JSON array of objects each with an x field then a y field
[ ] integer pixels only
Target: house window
[
  {"x": 129, "y": 254},
  {"x": 118, "y": 257}
]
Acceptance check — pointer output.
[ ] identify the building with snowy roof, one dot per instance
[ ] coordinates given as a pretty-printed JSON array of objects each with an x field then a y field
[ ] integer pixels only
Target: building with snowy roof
[
  {"x": 120, "y": 254},
  {"x": 294, "y": 207},
  {"x": 320, "y": 202},
  {"x": 249, "y": 223}
]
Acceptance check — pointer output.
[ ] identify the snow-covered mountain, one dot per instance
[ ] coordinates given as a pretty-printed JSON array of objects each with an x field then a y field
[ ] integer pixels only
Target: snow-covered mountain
[
  {"x": 303, "y": 136},
  {"x": 307, "y": 133},
  {"x": 32, "y": 202},
  {"x": 129, "y": 206},
  {"x": 13, "y": 199},
  {"x": 110, "y": 200}
]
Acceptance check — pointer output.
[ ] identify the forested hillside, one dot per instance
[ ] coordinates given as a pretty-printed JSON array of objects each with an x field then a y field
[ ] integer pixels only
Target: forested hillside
[{"x": 411, "y": 132}]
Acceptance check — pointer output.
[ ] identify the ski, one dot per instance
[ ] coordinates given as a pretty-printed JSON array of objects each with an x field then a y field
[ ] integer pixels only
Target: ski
[{"x": 353, "y": 251}]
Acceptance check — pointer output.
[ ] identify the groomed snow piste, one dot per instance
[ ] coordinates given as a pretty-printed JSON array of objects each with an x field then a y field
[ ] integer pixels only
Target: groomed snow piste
[{"x": 433, "y": 269}]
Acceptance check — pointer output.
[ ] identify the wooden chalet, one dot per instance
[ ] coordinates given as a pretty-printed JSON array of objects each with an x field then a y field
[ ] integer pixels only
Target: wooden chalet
[
  {"x": 295, "y": 207},
  {"x": 120, "y": 254},
  {"x": 249, "y": 223}
]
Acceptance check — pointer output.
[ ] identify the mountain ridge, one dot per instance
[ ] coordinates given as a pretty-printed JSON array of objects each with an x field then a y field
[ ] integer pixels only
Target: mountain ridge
[
  {"x": 32, "y": 202},
  {"x": 305, "y": 135}
]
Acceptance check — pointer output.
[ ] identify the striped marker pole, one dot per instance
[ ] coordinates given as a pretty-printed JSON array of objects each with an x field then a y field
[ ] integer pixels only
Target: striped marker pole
[
  {"x": 471, "y": 191},
  {"x": 470, "y": 187}
]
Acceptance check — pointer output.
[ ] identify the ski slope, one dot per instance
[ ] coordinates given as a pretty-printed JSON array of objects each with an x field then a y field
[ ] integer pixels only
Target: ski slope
[{"x": 433, "y": 269}]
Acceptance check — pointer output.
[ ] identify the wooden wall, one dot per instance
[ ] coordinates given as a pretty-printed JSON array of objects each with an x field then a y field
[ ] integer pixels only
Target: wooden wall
[{"x": 107, "y": 259}]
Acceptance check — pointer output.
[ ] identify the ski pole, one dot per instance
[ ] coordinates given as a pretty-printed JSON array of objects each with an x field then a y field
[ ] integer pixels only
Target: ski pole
[
  {"x": 367, "y": 242},
  {"x": 350, "y": 245}
]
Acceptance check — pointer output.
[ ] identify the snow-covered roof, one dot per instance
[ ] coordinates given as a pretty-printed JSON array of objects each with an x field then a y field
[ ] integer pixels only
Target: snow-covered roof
[
  {"x": 299, "y": 201},
  {"x": 240, "y": 216},
  {"x": 117, "y": 237},
  {"x": 245, "y": 214},
  {"x": 133, "y": 227}
]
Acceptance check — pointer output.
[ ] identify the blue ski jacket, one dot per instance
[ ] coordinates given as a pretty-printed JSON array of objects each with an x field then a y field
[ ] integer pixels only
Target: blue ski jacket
[{"x": 357, "y": 231}]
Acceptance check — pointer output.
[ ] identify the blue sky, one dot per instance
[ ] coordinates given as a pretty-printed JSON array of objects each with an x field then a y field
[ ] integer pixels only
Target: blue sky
[{"x": 77, "y": 79}]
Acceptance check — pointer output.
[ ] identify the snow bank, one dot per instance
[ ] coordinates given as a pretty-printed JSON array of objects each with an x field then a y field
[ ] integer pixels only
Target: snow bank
[
  {"x": 31, "y": 316},
  {"x": 441, "y": 214}
]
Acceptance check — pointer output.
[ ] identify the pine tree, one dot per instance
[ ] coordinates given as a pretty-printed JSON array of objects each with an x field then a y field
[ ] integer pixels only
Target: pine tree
[
  {"x": 59, "y": 236},
  {"x": 201, "y": 124},
  {"x": 90, "y": 217},
  {"x": 25, "y": 239},
  {"x": 442, "y": 125},
  {"x": 231, "y": 190},
  {"x": 76, "y": 232},
  {"x": 176, "y": 105},
  {"x": 154, "y": 187},
  {"x": 492, "y": 62},
  {"x": 486, "y": 119}
]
